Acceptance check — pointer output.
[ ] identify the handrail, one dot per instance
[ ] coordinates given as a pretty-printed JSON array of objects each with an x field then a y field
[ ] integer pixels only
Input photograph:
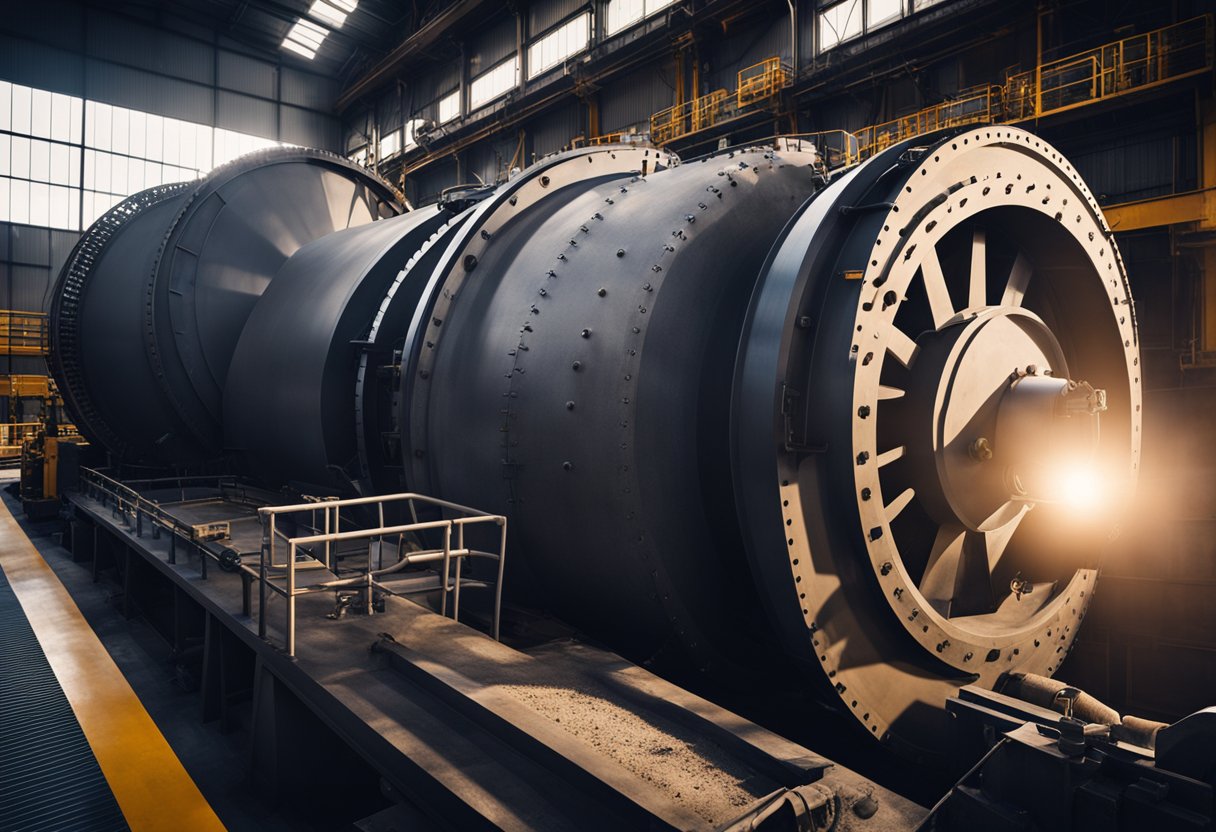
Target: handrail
[
  {"x": 331, "y": 533},
  {"x": 762, "y": 81},
  {"x": 23, "y": 333},
  {"x": 133, "y": 508},
  {"x": 1131, "y": 64}
]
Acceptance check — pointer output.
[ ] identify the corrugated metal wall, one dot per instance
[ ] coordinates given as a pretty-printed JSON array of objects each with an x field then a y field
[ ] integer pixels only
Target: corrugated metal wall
[
  {"x": 744, "y": 47},
  {"x": 436, "y": 83},
  {"x": 545, "y": 13},
  {"x": 30, "y": 258},
  {"x": 633, "y": 99},
  {"x": 491, "y": 45},
  {"x": 117, "y": 60},
  {"x": 424, "y": 187},
  {"x": 554, "y": 131}
]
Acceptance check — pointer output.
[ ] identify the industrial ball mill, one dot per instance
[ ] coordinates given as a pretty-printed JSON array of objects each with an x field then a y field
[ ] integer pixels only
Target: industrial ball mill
[{"x": 874, "y": 421}]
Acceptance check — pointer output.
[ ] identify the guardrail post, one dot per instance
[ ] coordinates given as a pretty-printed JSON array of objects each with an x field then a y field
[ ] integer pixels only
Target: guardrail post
[
  {"x": 447, "y": 559},
  {"x": 502, "y": 562},
  {"x": 266, "y": 551},
  {"x": 291, "y": 603},
  {"x": 459, "y": 563}
]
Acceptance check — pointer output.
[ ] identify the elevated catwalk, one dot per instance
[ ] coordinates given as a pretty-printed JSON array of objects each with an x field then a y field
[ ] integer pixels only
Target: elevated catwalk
[{"x": 469, "y": 731}]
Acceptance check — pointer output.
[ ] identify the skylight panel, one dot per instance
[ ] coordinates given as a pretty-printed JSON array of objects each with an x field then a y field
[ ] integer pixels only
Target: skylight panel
[
  {"x": 305, "y": 38},
  {"x": 333, "y": 12}
]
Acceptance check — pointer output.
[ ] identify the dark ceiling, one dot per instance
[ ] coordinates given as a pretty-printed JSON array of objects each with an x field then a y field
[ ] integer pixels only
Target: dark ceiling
[{"x": 368, "y": 34}]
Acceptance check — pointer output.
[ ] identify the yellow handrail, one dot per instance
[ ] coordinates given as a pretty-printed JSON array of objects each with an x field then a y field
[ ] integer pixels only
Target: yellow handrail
[
  {"x": 1131, "y": 64},
  {"x": 23, "y": 333},
  {"x": 689, "y": 117},
  {"x": 762, "y": 81}
]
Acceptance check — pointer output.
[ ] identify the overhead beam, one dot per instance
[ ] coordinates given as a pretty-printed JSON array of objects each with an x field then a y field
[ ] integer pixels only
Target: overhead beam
[
  {"x": 1174, "y": 209},
  {"x": 407, "y": 51}
]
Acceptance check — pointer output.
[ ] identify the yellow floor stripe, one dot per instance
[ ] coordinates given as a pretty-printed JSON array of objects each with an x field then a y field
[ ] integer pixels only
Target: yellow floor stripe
[{"x": 151, "y": 786}]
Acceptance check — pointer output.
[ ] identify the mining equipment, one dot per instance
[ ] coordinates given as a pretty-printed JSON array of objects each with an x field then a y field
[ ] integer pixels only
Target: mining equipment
[{"x": 746, "y": 417}]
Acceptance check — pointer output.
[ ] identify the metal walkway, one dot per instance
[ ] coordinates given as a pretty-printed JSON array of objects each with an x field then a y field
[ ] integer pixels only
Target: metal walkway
[
  {"x": 77, "y": 748},
  {"x": 49, "y": 778}
]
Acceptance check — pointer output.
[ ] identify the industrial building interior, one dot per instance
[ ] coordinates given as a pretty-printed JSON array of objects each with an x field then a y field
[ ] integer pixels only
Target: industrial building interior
[{"x": 608, "y": 414}]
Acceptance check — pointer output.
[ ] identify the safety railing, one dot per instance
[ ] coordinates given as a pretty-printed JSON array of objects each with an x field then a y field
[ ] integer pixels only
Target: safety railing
[
  {"x": 138, "y": 513},
  {"x": 837, "y": 148},
  {"x": 761, "y": 82},
  {"x": 596, "y": 141},
  {"x": 26, "y": 386},
  {"x": 317, "y": 550},
  {"x": 15, "y": 434},
  {"x": 973, "y": 106},
  {"x": 1132, "y": 64},
  {"x": 689, "y": 117},
  {"x": 23, "y": 333},
  {"x": 1127, "y": 65}
]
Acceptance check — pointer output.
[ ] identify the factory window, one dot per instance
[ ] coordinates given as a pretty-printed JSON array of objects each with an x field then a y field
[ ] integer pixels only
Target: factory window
[
  {"x": 389, "y": 144},
  {"x": 621, "y": 14},
  {"x": 848, "y": 19},
  {"x": 879, "y": 12},
  {"x": 65, "y": 161},
  {"x": 839, "y": 23},
  {"x": 551, "y": 49},
  {"x": 449, "y": 107},
  {"x": 411, "y": 131},
  {"x": 494, "y": 82}
]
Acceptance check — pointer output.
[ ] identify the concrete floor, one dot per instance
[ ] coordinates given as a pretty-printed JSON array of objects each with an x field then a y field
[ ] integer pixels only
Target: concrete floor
[{"x": 217, "y": 762}]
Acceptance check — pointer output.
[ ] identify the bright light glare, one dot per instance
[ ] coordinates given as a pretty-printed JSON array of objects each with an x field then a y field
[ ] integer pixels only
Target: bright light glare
[{"x": 1078, "y": 487}]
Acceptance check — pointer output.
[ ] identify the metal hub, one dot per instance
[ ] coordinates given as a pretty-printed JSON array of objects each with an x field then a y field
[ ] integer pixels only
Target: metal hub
[
  {"x": 963, "y": 378},
  {"x": 933, "y": 306}
]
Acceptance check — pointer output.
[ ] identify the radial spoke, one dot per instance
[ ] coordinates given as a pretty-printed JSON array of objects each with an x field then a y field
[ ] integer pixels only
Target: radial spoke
[
  {"x": 900, "y": 345},
  {"x": 897, "y": 505},
  {"x": 887, "y": 457},
  {"x": 885, "y": 392},
  {"x": 973, "y": 584},
  {"x": 1019, "y": 277},
  {"x": 935, "y": 288},
  {"x": 957, "y": 580},
  {"x": 997, "y": 540},
  {"x": 937, "y": 584},
  {"x": 978, "y": 289}
]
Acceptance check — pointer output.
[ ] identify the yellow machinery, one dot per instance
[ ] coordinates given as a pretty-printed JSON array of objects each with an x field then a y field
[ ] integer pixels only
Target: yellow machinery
[{"x": 41, "y": 458}]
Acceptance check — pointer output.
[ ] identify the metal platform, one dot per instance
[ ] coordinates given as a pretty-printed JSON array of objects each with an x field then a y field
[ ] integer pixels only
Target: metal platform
[{"x": 475, "y": 733}]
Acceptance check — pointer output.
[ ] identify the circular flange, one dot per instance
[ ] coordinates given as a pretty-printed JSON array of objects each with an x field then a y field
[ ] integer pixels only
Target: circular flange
[
  {"x": 67, "y": 319},
  {"x": 843, "y": 390},
  {"x": 222, "y": 250}
]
